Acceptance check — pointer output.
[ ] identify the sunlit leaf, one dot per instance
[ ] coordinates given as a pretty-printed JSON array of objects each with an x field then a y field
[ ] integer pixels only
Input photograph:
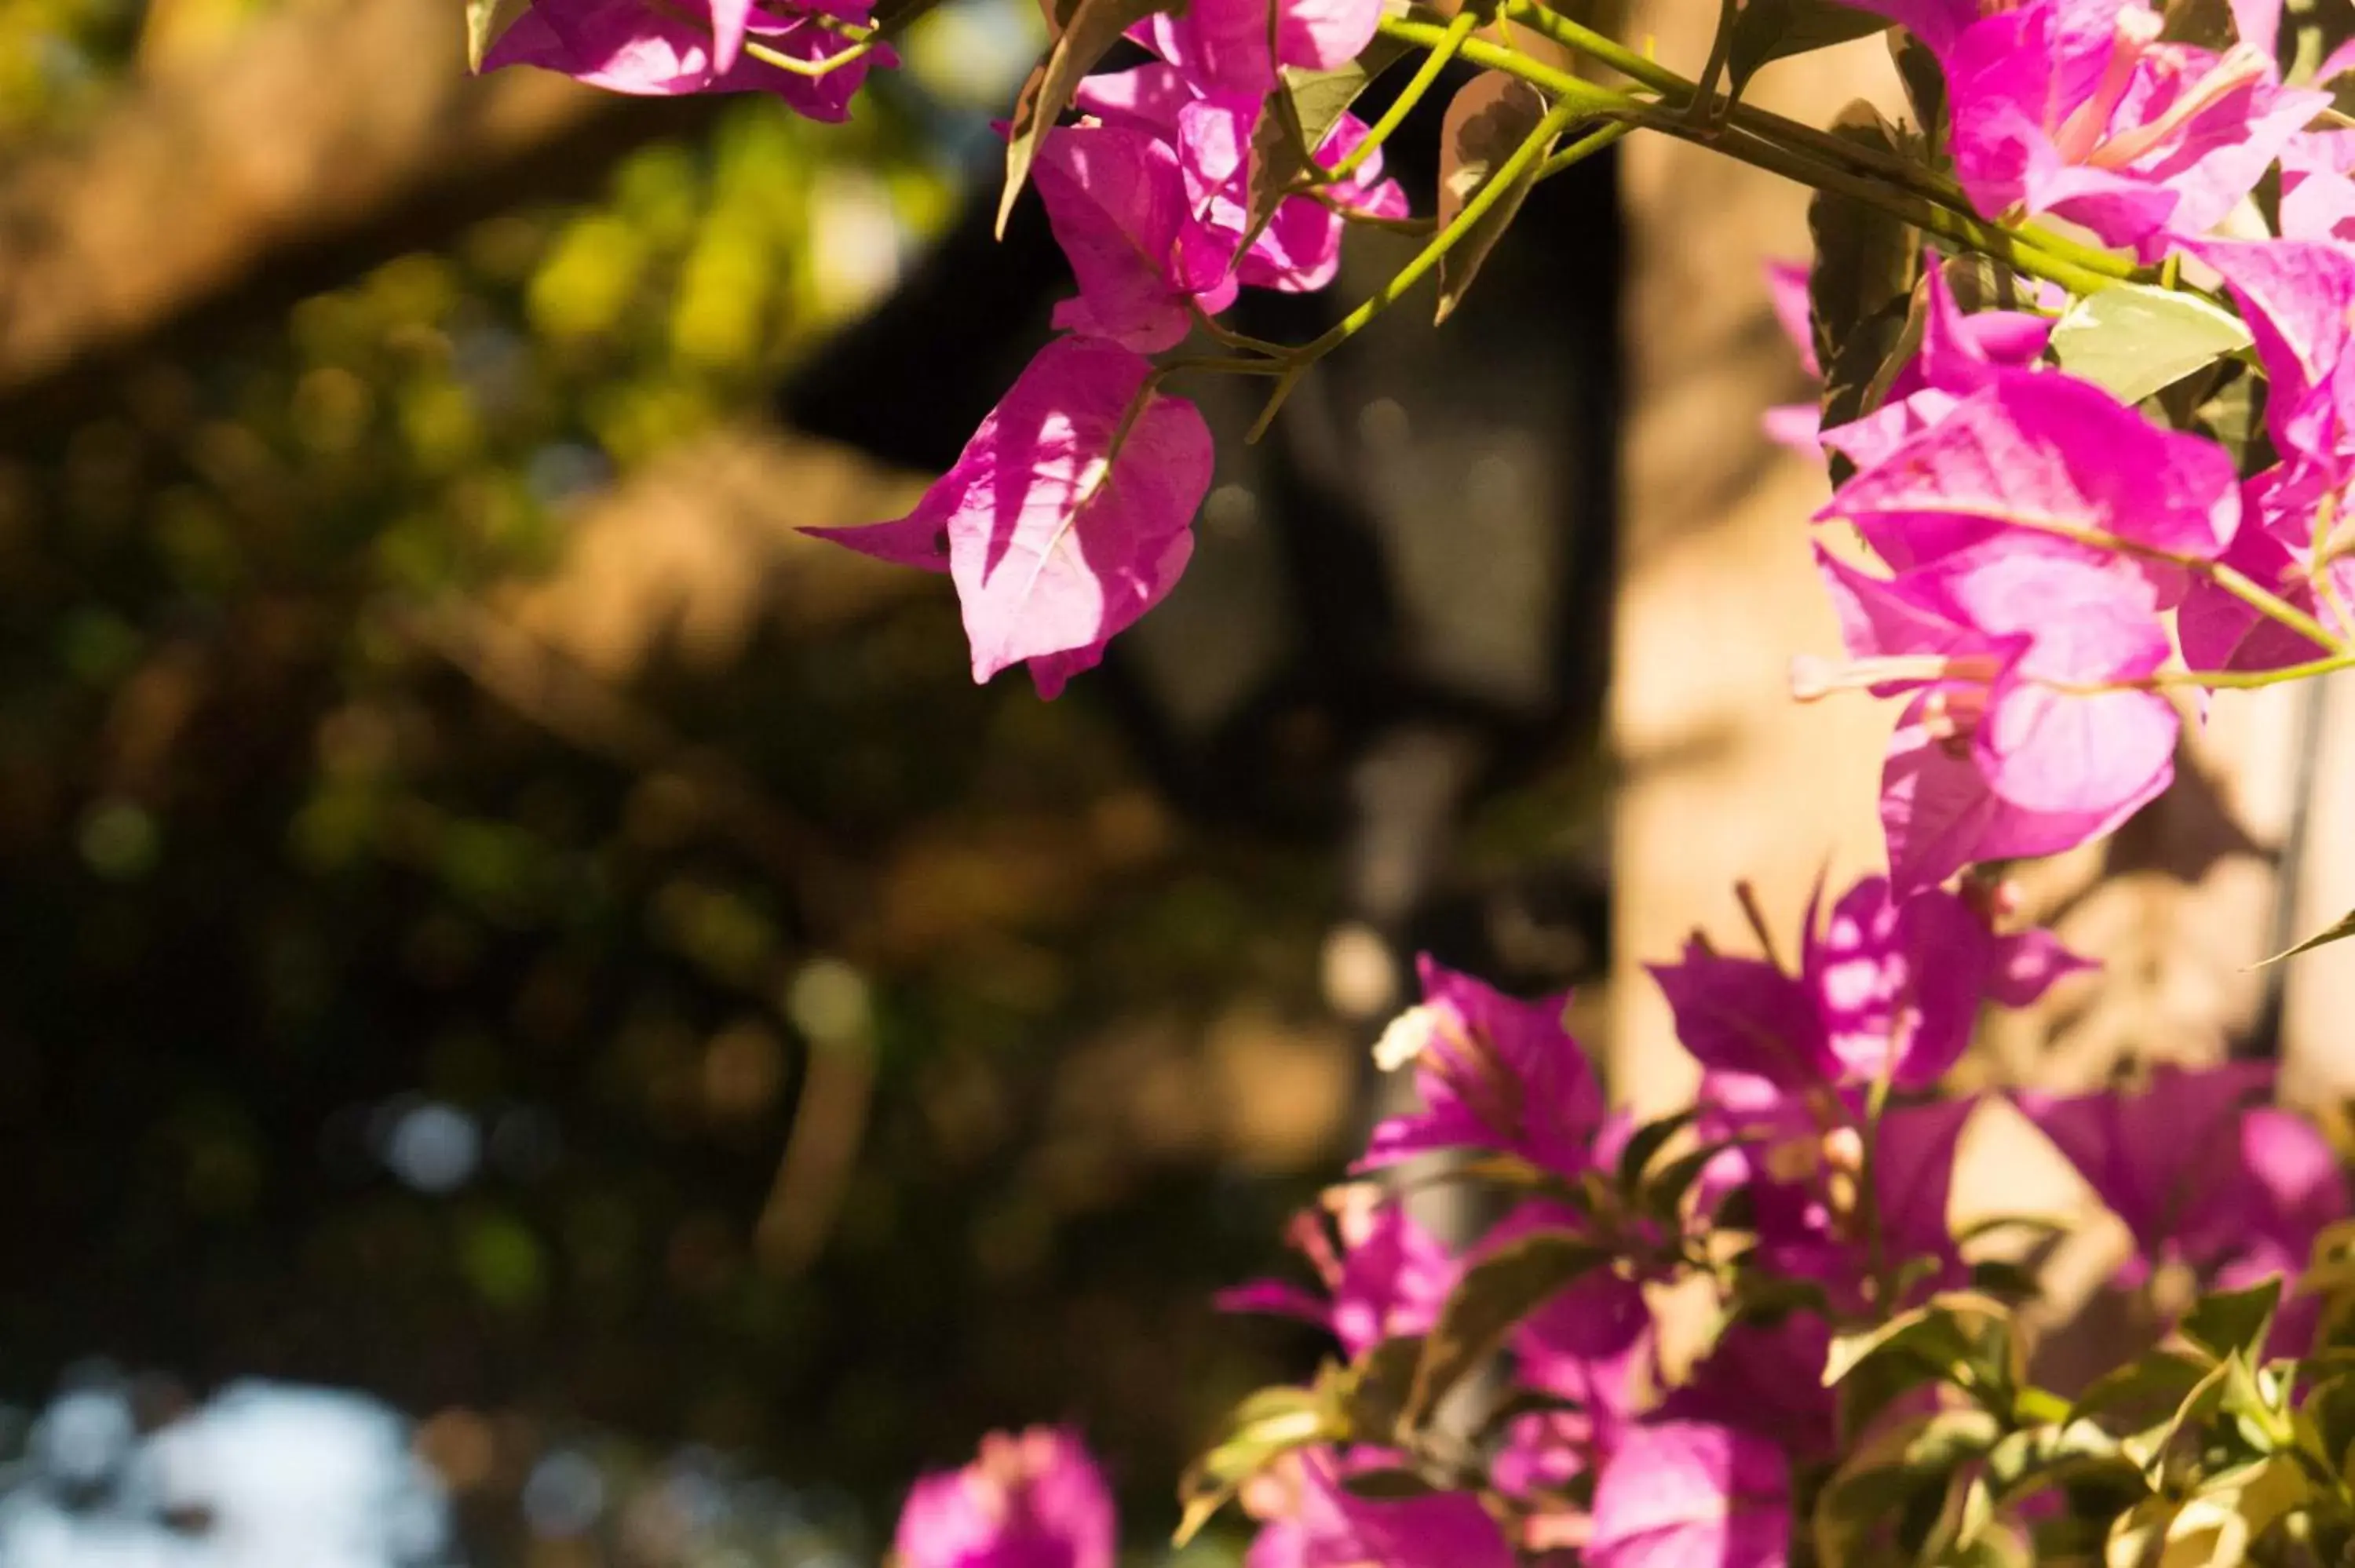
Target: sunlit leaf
[
  {"x": 1494, "y": 1295},
  {"x": 1488, "y": 121},
  {"x": 2133, "y": 340}
]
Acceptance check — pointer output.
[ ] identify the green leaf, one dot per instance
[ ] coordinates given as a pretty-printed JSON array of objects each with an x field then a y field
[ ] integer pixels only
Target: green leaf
[
  {"x": 1942, "y": 1334},
  {"x": 1925, "y": 82},
  {"x": 485, "y": 20},
  {"x": 1369, "y": 1400},
  {"x": 2137, "y": 1535},
  {"x": 1494, "y": 1293},
  {"x": 2220, "y": 1521},
  {"x": 2132, "y": 339},
  {"x": 1318, "y": 100},
  {"x": 2005, "y": 1280},
  {"x": 1267, "y": 1425},
  {"x": 1866, "y": 263},
  {"x": 1770, "y": 30},
  {"x": 2224, "y": 1321},
  {"x": 1088, "y": 32},
  {"x": 1895, "y": 1473},
  {"x": 1322, "y": 96},
  {"x": 1387, "y": 1486},
  {"x": 2154, "y": 1450},
  {"x": 1665, "y": 1192},
  {"x": 1487, "y": 120},
  {"x": 2161, "y": 1380},
  {"x": 2337, "y": 932},
  {"x": 2075, "y": 1454},
  {"x": 1643, "y": 1146}
]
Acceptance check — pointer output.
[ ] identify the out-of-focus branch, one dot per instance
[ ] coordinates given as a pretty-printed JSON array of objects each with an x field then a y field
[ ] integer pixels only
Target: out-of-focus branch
[{"x": 327, "y": 134}]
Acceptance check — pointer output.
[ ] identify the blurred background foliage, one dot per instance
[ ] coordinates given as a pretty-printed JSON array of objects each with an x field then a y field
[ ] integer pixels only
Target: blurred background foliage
[{"x": 496, "y": 921}]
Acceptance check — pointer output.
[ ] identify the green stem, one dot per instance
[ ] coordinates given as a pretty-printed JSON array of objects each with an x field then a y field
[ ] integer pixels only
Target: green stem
[
  {"x": 2270, "y": 605},
  {"x": 1957, "y": 227},
  {"x": 2005, "y": 245},
  {"x": 1507, "y": 177},
  {"x": 1586, "y": 147},
  {"x": 2215, "y": 680},
  {"x": 1770, "y": 126},
  {"x": 1458, "y": 29},
  {"x": 825, "y": 66}
]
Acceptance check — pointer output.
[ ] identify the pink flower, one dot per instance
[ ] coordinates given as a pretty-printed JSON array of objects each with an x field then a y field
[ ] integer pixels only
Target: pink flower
[
  {"x": 1386, "y": 1279},
  {"x": 1687, "y": 1494},
  {"x": 1224, "y": 46},
  {"x": 2003, "y": 750},
  {"x": 1492, "y": 1073},
  {"x": 1117, "y": 202},
  {"x": 2295, "y": 298},
  {"x": 2042, "y": 452},
  {"x": 1766, "y": 1377},
  {"x": 660, "y": 49},
  {"x": 1300, "y": 250},
  {"x": 1960, "y": 355},
  {"x": 1889, "y": 985},
  {"x": 1056, "y": 540},
  {"x": 1034, "y": 1500},
  {"x": 1318, "y": 1523},
  {"x": 2075, "y": 108},
  {"x": 2219, "y": 631},
  {"x": 2238, "y": 1191}
]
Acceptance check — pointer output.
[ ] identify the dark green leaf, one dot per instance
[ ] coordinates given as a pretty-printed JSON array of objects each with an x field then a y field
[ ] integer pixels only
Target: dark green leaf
[
  {"x": 1665, "y": 1192},
  {"x": 1926, "y": 83},
  {"x": 1371, "y": 1397},
  {"x": 2005, "y": 1280},
  {"x": 1090, "y": 29},
  {"x": 2159, "y": 1381},
  {"x": 1487, "y": 120},
  {"x": 1941, "y": 1335},
  {"x": 1643, "y": 1146},
  {"x": 1864, "y": 258},
  {"x": 2155, "y": 1450},
  {"x": 2224, "y": 1321},
  {"x": 1906, "y": 1469},
  {"x": 1387, "y": 1486},
  {"x": 1770, "y": 30},
  {"x": 1494, "y": 1295},
  {"x": 2076, "y": 1454}
]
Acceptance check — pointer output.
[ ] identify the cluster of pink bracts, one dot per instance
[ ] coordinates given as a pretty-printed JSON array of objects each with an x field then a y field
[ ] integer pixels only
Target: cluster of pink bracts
[
  {"x": 2039, "y": 561},
  {"x": 1697, "y": 1475},
  {"x": 2031, "y": 531}
]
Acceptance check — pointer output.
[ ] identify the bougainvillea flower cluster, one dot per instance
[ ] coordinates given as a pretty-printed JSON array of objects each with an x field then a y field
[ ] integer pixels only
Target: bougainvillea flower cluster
[{"x": 2081, "y": 325}]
